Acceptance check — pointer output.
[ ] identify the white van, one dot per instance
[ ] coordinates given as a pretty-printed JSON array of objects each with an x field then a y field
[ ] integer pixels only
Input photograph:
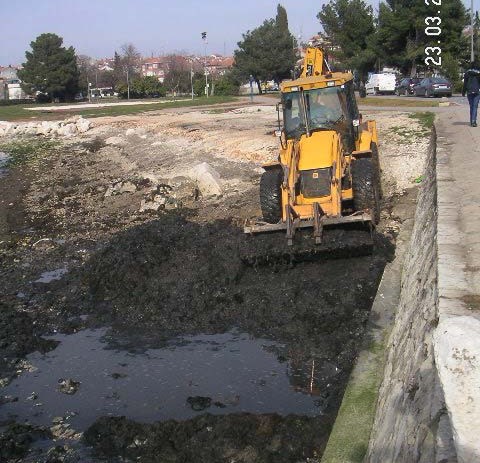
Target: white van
[{"x": 379, "y": 84}]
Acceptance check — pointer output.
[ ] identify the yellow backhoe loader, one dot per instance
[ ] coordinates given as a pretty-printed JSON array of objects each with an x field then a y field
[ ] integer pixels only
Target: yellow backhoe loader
[{"x": 327, "y": 173}]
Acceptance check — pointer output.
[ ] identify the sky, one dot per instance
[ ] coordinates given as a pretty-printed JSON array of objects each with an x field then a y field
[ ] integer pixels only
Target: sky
[{"x": 99, "y": 27}]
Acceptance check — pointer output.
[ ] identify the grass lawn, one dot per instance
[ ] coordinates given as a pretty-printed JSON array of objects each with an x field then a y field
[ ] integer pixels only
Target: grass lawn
[
  {"x": 425, "y": 118},
  {"x": 19, "y": 113},
  {"x": 379, "y": 101},
  {"x": 397, "y": 102}
]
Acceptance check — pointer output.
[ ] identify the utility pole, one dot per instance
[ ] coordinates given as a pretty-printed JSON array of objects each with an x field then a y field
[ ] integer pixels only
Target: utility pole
[
  {"x": 204, "y": 37},
  {"x": 472, "y": 54},
  {"x": 88, "y": 89},
  {"x": 191, "y": 75},
  {"x": 128, "y": 85}
]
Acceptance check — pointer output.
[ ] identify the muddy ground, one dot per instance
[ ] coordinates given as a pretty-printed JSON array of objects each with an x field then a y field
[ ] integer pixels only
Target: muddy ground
[{"x": 79, "y": 250}]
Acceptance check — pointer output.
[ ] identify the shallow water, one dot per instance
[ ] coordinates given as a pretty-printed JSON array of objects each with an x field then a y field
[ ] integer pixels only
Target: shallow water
[
  {"x": 4, "y": 158},
  {"x": 237, "y": 372},
  {"x": 53, "y": 275}
]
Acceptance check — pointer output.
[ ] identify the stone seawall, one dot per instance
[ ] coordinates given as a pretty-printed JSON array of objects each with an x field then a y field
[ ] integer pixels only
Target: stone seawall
[{"x": 411, "y": 422}]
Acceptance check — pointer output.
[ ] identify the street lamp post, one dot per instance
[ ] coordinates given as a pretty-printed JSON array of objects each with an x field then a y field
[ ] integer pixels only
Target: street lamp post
[
  {"x": 472, "y": 54},
  {"x": 128, "y": 85},
  {"x": 204, "y": 37},
  {"x": 191, "y": 76}
]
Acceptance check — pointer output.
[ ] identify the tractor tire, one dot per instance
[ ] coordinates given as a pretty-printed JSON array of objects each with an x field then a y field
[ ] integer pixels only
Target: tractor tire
[
  {"x": 365, "y": 185},
  {"x": 271, "y": 195}
]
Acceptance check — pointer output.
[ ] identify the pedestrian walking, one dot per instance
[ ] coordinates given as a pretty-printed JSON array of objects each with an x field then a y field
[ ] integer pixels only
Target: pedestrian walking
[{"x": 471, "y": 88}]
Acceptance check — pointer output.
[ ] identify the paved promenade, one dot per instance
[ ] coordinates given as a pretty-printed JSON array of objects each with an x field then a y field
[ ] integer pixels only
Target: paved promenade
[{"x": 457, "y": 337}]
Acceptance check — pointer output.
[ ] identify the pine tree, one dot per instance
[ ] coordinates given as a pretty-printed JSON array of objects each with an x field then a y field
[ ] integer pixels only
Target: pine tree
[
  {"x": 401, "y": 37},
  {"x": 282, "y": 18},
  {"x": 349, "y": 24},
  {"x": 50, "y": 69},
  {"x": 268, "y": 52},
  {"x": 118, "y": 74}
]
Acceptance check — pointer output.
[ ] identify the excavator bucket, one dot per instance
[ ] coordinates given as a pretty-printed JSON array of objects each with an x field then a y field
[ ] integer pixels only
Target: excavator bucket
[{"x": 345, "y": 241}]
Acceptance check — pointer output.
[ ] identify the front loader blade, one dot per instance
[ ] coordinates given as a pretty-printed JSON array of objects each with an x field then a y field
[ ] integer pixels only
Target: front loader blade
[{"x": 337, "y": 243}]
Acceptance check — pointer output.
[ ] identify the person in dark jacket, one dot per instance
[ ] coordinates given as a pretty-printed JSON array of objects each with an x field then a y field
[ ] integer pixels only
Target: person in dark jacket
[{"x": 471, "y": 88}]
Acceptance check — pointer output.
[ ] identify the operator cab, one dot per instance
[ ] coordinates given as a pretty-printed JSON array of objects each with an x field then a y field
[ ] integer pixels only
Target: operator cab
[{"x": 330, "y": 107}]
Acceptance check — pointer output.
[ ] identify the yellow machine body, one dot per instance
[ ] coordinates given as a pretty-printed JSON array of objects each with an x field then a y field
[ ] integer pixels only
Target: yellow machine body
[{"x": 319, "y": 160}]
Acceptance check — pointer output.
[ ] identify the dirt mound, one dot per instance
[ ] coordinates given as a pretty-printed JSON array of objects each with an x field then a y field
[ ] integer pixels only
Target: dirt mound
[
  {"x": 242, "y": 438},
  {"x": 16, "y": 440},
  {"x": 174, "y": 276}
]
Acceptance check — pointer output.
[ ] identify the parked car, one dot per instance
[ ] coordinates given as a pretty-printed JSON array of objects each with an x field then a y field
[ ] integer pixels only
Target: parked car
[
  {"x": 433, "y": 86},
  {"x": 405, "y": 86},
  {"x": 379, "y": 84}
]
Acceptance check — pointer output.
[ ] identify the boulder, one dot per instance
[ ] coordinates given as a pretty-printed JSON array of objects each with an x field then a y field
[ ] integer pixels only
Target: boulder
[
  {"x": 67, "y": 130},
  {"x": 72, "y": 120},
  {"x": 115, "y": 141},
  {"x": 120, "y": 188},
  {"x": 30, "y": 128},
  {"x": 5, "y": 128},
  {"x": 139, "y": 131},
  {"x": 127, "y": 187},
  {"x": 207, "y": 178},
  {"x": 156, "y": 203},
  {"x": 44, "y": 128},
  {"x": 83, "y": 125}
]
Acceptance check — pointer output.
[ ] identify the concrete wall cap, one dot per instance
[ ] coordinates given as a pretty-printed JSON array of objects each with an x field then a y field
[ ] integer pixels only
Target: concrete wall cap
[{"x": 457, "y": 355}]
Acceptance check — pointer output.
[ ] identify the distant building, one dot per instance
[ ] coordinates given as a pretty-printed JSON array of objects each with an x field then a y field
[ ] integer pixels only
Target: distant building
[
  {"x": 159, "y": 66},
  {"x": 219, "y": 65},
  {"x": 155, "y": 67},
  {"x": 10, "y": 88},
  {"x": 105, "y": 64}
]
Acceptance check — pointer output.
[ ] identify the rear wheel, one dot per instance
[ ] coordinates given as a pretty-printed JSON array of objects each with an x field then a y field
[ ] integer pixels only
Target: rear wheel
[
  {"x": 271, "y": 195},
  {"x": 366, "y": 187}
]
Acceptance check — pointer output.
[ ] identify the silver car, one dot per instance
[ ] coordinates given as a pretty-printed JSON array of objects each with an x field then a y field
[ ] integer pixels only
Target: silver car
[{"x": 433, "y": 86}]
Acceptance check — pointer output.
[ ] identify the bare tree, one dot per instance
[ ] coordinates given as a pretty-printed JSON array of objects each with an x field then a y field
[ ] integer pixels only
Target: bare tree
[
  {"x": 178, "y": 74},
  {"x": 88, "y": 71},
  {"x": 131, "y": 61}
]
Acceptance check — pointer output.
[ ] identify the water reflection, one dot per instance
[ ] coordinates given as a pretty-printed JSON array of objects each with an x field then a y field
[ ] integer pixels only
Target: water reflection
[{"x": 218, "y": 374}]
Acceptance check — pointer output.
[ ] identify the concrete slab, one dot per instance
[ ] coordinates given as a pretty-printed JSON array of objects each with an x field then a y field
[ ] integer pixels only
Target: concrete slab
[
  {"x": 457, "y": 355},
  {"x": 458, "y": 166}
]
